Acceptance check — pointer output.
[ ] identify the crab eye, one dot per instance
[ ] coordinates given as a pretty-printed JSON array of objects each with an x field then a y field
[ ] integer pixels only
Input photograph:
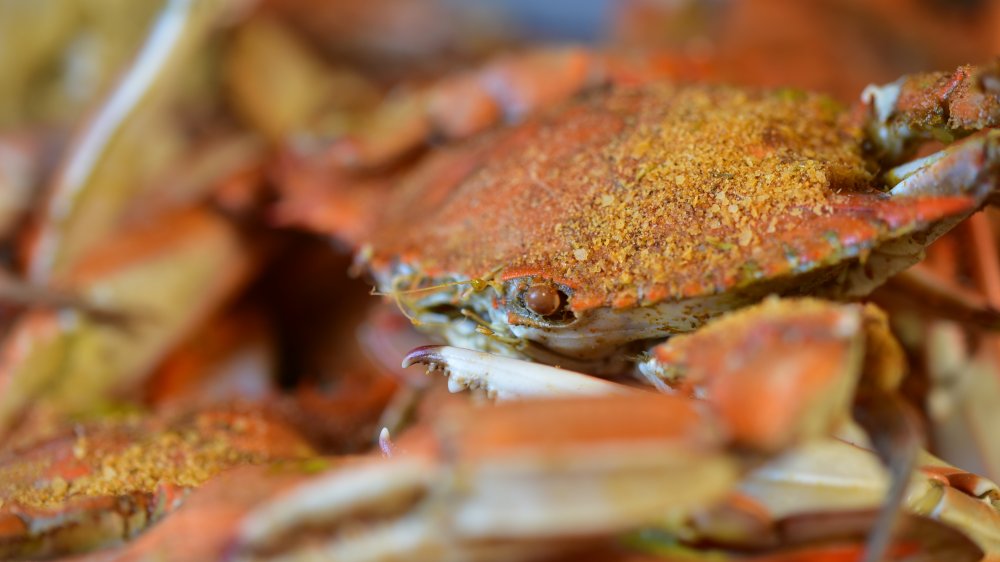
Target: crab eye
[{"x": 544, "y": 300}]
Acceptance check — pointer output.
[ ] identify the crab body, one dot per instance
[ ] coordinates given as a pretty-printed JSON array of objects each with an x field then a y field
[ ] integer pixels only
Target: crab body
[{"x": 634, "y": 212}]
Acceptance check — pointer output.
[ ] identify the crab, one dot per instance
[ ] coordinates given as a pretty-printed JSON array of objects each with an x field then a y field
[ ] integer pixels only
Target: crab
[{"x": 640, "y": 210}]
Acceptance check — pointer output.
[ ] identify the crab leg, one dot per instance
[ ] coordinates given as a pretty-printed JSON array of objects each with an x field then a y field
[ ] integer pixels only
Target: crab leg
[
  {"x": 463, "y": 105},
  {"x": 831, "y": 474},
  {"x": 337, "y": 494},
  {"x": 191, "y": 256},
  {"x": 834, "y": 476},
  {"x": 515, "y": 481}
]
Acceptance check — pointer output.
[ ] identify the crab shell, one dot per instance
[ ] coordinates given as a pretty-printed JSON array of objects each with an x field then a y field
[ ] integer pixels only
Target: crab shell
[
  {"x": 100, "y": 483},
  {"x": 652, "y": 208}
]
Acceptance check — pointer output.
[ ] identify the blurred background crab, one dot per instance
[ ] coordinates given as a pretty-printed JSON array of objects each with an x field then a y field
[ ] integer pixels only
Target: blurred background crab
[{"x": 172, "y": 173}]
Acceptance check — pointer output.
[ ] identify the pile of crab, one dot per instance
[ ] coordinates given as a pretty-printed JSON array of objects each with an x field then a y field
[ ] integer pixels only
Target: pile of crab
[{"x": 655, "y": 302}]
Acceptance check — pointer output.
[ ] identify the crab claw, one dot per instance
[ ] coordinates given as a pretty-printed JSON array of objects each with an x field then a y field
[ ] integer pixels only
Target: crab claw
[
  {"x": 963, "y": 500},
  {"x": 937, "y": 105},
  {"x": 769, "y": 390},
  {"x": 968, "y": 168},
  {"x": 790, "y": 370},
  {"x": 505, "y": 378},
  {"x": 830, "y": 476}
]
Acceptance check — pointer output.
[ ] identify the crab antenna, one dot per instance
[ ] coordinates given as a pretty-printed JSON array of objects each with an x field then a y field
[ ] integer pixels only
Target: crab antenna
[
  {"x": 405, "y": 308},
  {"x": 476, "y": 284},
  {"x": 416, "y": 290}
]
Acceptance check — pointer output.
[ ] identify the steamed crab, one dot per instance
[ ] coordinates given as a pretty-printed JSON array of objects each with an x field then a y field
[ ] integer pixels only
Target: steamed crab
[{"x": 639, "y": 210}]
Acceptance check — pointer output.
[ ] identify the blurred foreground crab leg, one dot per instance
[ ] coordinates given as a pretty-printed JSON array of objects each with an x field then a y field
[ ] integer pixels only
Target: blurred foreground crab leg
[{"x": 513, "y": 482}]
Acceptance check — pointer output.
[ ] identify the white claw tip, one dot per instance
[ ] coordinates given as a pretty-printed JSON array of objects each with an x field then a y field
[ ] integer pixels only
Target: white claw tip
[
  {"x": 385, "y": 443},
  {"x": 455, "y": 386},
  {"x": 882, "y": 99}
]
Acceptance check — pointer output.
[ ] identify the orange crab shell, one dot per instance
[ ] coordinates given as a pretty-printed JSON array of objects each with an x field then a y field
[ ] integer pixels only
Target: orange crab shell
[
  {"x": 104, "y": 482},
  {"x": 638, "y": 194}
]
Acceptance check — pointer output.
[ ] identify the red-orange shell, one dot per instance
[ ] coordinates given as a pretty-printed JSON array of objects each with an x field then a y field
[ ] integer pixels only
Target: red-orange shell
[{"x": 633, "y": 195}]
